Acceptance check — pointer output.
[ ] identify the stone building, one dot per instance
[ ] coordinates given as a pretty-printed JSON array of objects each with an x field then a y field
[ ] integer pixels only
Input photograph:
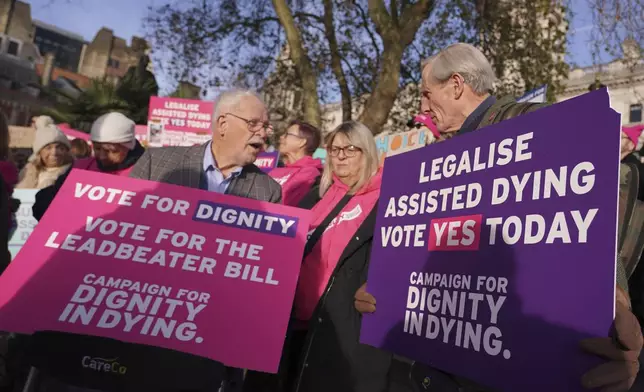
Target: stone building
[
  {"x": 35, "y": 54},
  {"x": 623, "y": 77},
  {"x": 105, "y": 56},
  {"x": 110, "y": 56},
  {"x": 19, "y": 81}
]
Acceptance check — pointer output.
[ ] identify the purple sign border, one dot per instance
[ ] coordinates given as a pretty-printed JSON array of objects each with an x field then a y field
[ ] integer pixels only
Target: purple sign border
[{"x": 558, "y": 294}]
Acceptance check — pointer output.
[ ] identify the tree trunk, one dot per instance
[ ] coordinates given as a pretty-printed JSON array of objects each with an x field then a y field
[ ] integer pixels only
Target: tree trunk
[
  {"x": 379, "y": 104},
  {"x": 310, "y": 100},
  {"x": 336, "y": 61},
  {"x": 395, "y": 37}
]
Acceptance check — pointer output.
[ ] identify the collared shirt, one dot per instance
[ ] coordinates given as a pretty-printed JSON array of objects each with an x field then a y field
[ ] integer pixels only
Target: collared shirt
[
  {"x": 213, "y": 178},
  {"x": 474, "y": 119}
]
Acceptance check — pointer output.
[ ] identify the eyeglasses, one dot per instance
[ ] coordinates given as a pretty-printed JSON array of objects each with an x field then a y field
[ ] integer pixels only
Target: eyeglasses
[
  {"x": 349, "y": 151},
  {"x": 287, "y": 134},
  {"x": 255, "y": 125}
]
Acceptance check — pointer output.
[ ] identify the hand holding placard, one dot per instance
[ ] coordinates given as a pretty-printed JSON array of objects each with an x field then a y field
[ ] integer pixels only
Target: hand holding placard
[
  {"x": 623, "y": 366},
  {"x": 364, "y": 302}
]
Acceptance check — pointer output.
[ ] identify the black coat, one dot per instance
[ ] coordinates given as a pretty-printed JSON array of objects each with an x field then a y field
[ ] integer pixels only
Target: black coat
[{"x": 332, "y": 358}]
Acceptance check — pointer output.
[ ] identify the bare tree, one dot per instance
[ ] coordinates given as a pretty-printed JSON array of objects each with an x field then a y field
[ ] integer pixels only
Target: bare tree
[
  {"x": 616, "y": 22},
  {"x": 366, "y": 53}
]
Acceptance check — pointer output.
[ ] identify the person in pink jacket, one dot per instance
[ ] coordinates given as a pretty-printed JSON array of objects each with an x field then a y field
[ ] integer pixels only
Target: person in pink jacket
[{"x": 301, "y": 172}]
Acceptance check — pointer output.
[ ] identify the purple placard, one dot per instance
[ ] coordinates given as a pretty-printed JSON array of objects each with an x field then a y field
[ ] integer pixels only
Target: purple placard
[
  {"x": 555, "y": 293},
  {"x": 267, "y": 161},
  {"x": 245, "y": 218}
]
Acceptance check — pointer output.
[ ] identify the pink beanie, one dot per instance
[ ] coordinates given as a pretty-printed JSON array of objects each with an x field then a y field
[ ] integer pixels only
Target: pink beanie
[{"x": 634, "y": 133}]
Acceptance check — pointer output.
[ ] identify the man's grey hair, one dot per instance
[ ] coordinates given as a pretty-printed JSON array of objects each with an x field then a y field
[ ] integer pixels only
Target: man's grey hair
[
  {"x": 230, "y": 99},
  {"x": 465, "y": 60}
]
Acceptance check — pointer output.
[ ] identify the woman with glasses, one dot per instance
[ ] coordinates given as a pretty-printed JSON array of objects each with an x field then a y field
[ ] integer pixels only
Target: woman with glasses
[
  {"x": 301, "y": 171},
  {"x": 116, "y": 150},
  {"x": 326, "y": 327}
]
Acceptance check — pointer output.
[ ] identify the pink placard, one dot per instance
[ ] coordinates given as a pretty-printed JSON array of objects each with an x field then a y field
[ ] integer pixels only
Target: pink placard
[
  {"x": 203, "y": 273},
  {"x": 141, "y": 132},
  {"x": 72, "y": 133},
  {"x": 182, "y": 115}
]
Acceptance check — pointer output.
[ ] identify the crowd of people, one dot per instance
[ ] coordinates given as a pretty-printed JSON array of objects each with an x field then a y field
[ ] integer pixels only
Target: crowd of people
[{"x": 322, "y": 351}]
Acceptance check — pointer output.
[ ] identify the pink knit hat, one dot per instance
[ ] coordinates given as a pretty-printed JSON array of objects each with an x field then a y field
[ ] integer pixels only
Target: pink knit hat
[{"x": 634, "y": 134}]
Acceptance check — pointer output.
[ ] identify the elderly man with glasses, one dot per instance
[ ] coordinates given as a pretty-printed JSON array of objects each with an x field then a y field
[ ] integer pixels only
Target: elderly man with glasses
[{"x": 225, "y": 164}]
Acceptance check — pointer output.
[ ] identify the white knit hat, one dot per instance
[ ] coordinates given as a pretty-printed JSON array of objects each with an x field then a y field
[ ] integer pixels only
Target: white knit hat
[
  {"x": 45, "y": 136},
  {"x": 114, "y": 128},
  {"x": 43, "y": 121}
]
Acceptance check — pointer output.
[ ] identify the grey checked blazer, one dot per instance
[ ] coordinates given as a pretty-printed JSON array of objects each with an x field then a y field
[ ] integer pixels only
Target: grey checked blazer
[{"x": 184, "y": 166}]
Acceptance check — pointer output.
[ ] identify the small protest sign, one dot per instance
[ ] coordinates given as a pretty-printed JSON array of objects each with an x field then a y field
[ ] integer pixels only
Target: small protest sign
[
  {"x": 494, "y": 252},
  {"x": 155, "y": 132},
  {"x": 179, "y": 122},
  {"x": 267, "y": 161},
  {"x": 142, "y": 262},
  {"x": 538, "y": 95},
  {"x": 320, "y": 154},
  {"x": 398, "y": 143},
  {"x": 25, "y": 221}
]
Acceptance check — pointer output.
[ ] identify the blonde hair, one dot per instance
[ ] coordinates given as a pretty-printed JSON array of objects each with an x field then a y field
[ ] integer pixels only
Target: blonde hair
[
  {"x": 360, "y": 136},
  {"x": 68, "y": 158}
]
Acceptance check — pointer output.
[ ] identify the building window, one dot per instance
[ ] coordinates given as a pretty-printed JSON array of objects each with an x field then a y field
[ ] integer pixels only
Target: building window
[
  {"x": 13, "y": 48},
  {"x": 112, "y": 63},
  {"x": 635, "y": 114}
]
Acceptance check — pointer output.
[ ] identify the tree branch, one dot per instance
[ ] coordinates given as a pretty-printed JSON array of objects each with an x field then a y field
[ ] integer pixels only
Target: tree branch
[
  {"x": 363, "y": 88},
  {"x": 310, "y": 101},
  {"x": 306, "y": 15},
  {"x": 413, "y": 17},
  {"x": 248, "y": 23},
  {"x": 372, "y": 38},
  {"x": 394, "y": 12},
  {"x": 395, "y": 40},
  {"x": 336, "y": 62},
  {"x": 381, "y": 18}
]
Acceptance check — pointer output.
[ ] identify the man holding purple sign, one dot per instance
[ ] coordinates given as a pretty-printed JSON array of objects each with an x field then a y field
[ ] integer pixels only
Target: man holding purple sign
[{"x": 484, "y": 258}]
